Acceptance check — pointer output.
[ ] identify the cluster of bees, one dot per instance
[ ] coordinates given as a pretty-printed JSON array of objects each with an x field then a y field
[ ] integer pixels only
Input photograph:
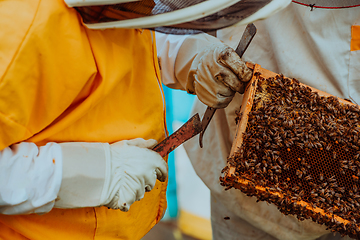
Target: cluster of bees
[{"x": 300, "y": 147}]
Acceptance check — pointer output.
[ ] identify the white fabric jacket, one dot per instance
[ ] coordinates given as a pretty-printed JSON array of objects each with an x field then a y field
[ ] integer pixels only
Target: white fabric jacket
[{"x": 310, "y": 45}]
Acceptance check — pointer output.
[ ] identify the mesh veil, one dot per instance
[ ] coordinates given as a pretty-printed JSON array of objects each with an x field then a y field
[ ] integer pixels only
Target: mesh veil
[{"x": 228, "y": 16}]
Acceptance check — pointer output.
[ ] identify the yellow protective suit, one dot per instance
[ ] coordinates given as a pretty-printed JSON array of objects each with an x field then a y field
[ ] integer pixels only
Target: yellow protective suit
[{"x": 62, "y": 82}]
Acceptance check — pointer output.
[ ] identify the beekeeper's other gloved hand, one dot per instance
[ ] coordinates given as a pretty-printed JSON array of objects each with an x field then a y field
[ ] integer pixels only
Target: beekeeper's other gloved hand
[
  {"x": 116, "y": 175},
  {"x": 210, "y": 69}
]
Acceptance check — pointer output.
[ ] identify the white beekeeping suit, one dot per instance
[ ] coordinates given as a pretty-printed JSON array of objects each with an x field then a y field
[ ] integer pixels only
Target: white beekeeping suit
[{"x": 318, "y": 45}]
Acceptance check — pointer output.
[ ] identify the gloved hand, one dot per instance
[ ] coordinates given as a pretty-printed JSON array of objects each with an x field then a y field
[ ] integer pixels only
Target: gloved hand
[
  {"x": 116, "y": 175},
  {"x": 134, "y": 171},
  {"x": 216, "y": 71}
]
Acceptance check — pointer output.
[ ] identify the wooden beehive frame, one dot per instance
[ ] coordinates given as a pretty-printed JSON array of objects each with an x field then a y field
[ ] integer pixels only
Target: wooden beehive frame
[{"x": 246, "y": 106}]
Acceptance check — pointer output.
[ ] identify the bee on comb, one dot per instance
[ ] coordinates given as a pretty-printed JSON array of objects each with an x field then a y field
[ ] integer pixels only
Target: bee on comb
[{"x": 298, "y": 148}]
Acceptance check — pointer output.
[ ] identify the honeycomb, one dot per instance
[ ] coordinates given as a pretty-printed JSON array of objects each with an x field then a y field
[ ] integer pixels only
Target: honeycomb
[{"x": 298, "y": 148}]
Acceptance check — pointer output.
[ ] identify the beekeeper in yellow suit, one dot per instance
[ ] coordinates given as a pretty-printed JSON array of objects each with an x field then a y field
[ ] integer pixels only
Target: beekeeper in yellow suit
[
  {"x": 316, "y": 42},
  {"x": 80, "y": 110}
]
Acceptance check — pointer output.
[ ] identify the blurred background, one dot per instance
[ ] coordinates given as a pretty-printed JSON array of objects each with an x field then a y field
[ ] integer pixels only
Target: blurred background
[{"x": 188, "y": 213}]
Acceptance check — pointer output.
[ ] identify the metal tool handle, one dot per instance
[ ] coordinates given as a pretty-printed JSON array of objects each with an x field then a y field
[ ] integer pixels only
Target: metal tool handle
[
  {"x": 246, "y": 38},
  {"x": 188, "y": 130}
]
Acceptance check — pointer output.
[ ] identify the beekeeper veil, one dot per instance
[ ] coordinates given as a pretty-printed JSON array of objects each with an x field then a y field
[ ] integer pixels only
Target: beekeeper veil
[{"x": 173, "y": 16}]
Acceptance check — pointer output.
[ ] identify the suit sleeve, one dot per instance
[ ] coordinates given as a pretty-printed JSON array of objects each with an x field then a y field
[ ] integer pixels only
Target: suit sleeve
[{"x": 30, "y": 178}]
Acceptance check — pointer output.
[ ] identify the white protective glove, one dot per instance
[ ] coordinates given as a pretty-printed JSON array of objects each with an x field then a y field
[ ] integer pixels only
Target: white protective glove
[
  {"x": 210, "y": 69},
  {"x": 116, "y": 175}
]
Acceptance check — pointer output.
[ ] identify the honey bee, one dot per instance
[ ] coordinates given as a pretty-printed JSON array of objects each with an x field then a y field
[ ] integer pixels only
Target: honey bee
[{"x": 308, "y": 178}]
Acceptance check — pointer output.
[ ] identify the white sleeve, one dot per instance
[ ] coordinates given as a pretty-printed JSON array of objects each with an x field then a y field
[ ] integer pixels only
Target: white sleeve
[
  {"x": 30, "y": 178},
  {"x": 167, "y": 49},
  {"x": 176, "y": 54}
]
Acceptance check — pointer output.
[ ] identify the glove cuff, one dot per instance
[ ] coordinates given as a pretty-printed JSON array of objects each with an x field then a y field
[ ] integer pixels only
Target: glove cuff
[
  {"x": 187, "y": 58},
  {"x": 190, "y": 85},
  {"x": 84, "y": 175}
]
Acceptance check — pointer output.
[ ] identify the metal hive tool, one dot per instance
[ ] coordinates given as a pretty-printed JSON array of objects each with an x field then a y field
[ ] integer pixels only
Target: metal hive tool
[{"x": 298, "y": 148}]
